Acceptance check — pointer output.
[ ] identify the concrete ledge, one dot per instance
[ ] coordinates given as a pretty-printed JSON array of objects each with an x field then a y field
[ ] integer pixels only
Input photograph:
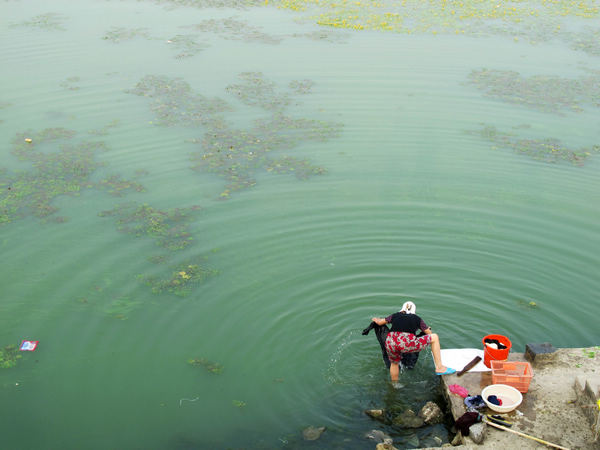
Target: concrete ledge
[{"x": 551, "y": 410}]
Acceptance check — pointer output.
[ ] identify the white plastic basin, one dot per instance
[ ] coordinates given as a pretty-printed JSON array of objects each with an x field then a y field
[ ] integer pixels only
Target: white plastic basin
[{"x": 511, "y": 397}]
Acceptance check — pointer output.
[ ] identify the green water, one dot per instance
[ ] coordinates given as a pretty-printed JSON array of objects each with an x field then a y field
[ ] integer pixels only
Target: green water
[{"x": 406, "y": 198}]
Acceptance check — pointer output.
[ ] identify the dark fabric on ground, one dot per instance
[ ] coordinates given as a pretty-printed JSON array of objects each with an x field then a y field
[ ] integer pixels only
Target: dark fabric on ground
[
  {"x": 465, "y": 421},
  {"x": 475, "y": 401}
]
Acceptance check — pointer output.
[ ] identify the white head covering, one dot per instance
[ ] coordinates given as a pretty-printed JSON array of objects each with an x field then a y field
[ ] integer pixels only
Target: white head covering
[{"x": 409, "y": 308}]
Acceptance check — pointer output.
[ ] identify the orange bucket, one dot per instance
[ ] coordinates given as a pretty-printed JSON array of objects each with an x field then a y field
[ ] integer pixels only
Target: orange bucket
[{"x": 492, "y": 354}]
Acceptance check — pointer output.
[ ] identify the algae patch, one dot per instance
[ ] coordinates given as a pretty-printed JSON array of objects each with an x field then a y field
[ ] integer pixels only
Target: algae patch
[
  {"x": 9, "y": 356},
  {"x": 211, "y": 366}
]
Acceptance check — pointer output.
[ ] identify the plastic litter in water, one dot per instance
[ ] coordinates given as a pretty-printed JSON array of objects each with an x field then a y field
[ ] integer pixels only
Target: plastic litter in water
[
  {"x": 28, "y": 346},
  {"x": 189, "y": 400}
]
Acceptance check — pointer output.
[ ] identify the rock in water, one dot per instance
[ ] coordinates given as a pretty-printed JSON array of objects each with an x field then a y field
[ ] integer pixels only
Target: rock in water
[
  {"x": 413, "y": 441},
  {"x": 458, "y": 440},
  {"x": 431, "y": 413},
  {"x": 477, "y": 432},
  {"x": 375, "y": 413},
  {"x": 378, "y": 436},
  {"x": 312, "y": 433},
  {"x": 385, "y": 446},
  {"x": 408, "y": 419}
]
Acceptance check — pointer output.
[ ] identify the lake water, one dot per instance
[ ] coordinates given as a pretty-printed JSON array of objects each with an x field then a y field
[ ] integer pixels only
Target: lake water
[{"x": 203, "y": 205}]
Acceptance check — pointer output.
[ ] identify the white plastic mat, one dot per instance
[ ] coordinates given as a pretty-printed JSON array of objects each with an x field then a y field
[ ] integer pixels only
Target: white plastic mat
[{"x": 457, "y": 358}]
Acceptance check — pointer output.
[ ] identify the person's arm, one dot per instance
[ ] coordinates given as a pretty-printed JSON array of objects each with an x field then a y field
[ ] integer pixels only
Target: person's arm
[
  {"x": 424, "y": 328},
  {"x": 379, "y": 320}
]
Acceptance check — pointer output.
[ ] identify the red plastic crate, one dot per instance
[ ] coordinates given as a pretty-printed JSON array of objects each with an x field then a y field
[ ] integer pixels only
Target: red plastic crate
[{"x": 514, "y": 373}]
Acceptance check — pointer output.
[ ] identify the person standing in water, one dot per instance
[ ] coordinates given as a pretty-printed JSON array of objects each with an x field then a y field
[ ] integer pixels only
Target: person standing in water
[{"x": 402, "y": 339}]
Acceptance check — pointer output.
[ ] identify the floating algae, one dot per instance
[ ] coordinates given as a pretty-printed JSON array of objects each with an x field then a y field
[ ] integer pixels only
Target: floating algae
[
  {"x": 104, "y": 130},
  {"x": 60, "y": 173},
  {"x": 534, "y": 20},
  {"x": 186, "y": 45},
  {"x": 301, "y": 86},
  {"x": 212, "y": 367},
  {"x": 174, "y": 103},
  {"x": 168, "y": 227},
  {"x": 158, "y": 259},
  {"x": 323, "y": 36},
  {"x": 300, "y": 167},
  {"x": 121, "y": 307},
  {"x": 9, "y": 356},
  {"x": 116, "y": 185},
  {"x": 587, "y": 41},
  {"x": 234, "y": 29},
  {"x": 60, "y": 166},
  {"x": 236, "y": 154},
  {"x": 2, "y": 106},
  {"x": 256, "y": 90},
  {"x": 69, "y": 83},
  {"x": 528, "y": 304},
  {"x": 237, "y": 4},
  {"x": 121, "y": 34},
  {"x": 549, "y": 150},
  {"x": 48, "y": 21},
  {"x": 544, "y": 93},
  {"x": 183, "y": 278}
]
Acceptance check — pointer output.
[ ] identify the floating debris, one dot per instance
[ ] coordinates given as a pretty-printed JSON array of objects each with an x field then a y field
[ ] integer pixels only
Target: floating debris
[
  {"x": 544, "y": 93},
  {"x": 212, "y": 367},
  {"x": 188, "y": 400},
  {"x": 238, "y": 403},
  {"x": 9, "y": 356},
  {"x": 549, "y": 150},
  {"x": 48, "y": 21}
]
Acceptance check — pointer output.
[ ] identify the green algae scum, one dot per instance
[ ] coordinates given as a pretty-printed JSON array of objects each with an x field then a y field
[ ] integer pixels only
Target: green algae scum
[{"x": 203, "y": 203}]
